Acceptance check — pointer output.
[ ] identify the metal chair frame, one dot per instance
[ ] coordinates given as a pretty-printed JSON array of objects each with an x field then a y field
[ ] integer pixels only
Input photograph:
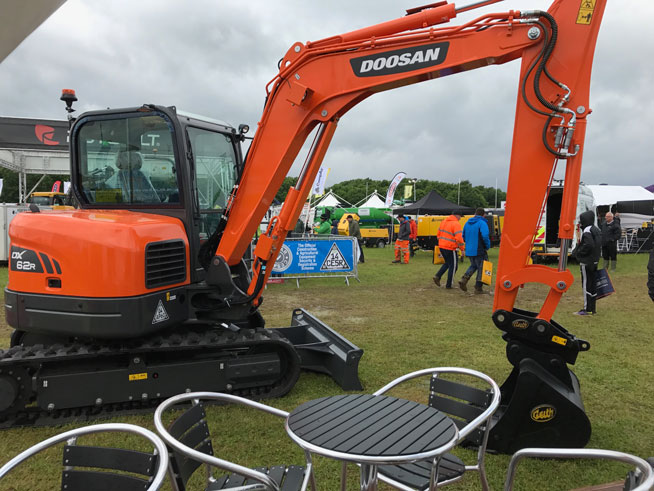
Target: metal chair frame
[
  {"x": 210, "y": 461},
  {"x": 642, "y": 467},
  {"x": 71, "y": 437},
  {"x": 482, "y": 419}
]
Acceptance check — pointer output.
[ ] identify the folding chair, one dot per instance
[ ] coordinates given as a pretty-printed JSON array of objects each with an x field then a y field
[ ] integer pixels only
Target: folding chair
[
  {"x": 643, "y": 476},
  {"x": 469, "y": 407},
  {"x": 135, "y": 470},
  {"x": 190, "y": 442}
]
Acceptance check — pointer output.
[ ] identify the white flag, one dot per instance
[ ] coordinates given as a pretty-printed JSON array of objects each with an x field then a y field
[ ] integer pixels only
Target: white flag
[
  {"x": 66, "y": 186},
  {"x": 393, "y": 186},
  {"x": 1, "y": 181},
  {"x": 318, "y": 188}
]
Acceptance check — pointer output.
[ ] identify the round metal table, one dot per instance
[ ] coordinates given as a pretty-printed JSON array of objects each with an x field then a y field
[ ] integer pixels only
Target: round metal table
[{"x": 371, "y": 430}]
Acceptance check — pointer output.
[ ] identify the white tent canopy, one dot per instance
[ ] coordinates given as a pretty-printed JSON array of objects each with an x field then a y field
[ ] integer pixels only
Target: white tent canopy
[
  {"x": 329, "y": 199},
  {"x": 19, "y": 18},
  {"x": 373, "y": 201},
  {"x": 609, "y": 195}
]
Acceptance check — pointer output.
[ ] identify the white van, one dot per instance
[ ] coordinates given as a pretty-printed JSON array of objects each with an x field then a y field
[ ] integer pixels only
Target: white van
[{"x": 546, "y": 245}]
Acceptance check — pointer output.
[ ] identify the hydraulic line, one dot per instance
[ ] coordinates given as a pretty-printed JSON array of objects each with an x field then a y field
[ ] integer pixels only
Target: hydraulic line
[{"x": 541, "y": 62}]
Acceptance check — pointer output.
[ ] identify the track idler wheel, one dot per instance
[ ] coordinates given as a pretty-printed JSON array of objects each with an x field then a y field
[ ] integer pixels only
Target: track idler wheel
[{"x": 8, "y": 392}]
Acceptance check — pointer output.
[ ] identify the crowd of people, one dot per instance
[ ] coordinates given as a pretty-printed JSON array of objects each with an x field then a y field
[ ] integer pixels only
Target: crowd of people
[{"x": 473, "y": 241}]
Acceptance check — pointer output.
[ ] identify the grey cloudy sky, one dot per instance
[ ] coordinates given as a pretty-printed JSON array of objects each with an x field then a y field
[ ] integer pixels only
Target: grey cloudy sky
[{"x": 216, "y": 57}]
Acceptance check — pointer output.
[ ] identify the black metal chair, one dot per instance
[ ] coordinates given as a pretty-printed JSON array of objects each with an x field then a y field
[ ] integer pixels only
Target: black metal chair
[
  {"x": 134, "y": 470},
  {"x": 642, "y": 478},
  {"x": 190, "y": 443},
  {"x": 469, "y": 407}
]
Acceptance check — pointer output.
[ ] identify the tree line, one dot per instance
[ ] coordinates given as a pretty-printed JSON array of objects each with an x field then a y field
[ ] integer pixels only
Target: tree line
[
  {"x": 352, "y": 191},
  {"x": 10, "y": 184},
  {"x": 463, "y": 193}
]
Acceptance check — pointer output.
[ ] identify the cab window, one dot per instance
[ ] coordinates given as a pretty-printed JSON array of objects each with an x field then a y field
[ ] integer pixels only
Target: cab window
[
  {"x": 128, "y": 160},
  {"x": 216, "y": 171}
]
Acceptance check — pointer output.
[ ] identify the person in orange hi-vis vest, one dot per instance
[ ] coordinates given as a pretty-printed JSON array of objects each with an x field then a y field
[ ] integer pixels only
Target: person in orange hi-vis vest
[
  {"x": 402, "y": 241},
  {"x": 450, "y": 238},
  {"x": 413, "y": 237}
]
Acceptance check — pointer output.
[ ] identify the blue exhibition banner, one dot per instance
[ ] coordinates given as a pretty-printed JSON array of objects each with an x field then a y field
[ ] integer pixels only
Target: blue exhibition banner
[{"x": 299, "y": 256}]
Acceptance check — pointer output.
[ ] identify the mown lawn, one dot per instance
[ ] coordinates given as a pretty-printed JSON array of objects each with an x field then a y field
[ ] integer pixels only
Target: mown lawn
[{"x": 404, "y": 323}]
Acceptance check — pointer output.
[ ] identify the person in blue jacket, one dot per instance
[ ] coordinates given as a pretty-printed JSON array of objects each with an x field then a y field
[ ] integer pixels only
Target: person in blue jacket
[{"x": 476, "y": 237}]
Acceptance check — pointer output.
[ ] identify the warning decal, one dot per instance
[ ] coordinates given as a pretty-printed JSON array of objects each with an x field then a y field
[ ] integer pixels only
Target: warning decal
[
  {"x": 335, "y": 261},
  {"x": 586, "y": 11},
  {"x": 160, "y": 314}
]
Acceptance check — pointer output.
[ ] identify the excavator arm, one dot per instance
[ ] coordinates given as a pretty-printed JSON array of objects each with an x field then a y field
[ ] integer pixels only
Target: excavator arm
[{"x": 318, "y": 82}]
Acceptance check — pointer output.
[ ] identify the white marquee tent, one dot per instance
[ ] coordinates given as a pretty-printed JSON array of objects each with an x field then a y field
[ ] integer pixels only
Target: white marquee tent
[
  {"x": 19, "y": 18},
  {"x": 329, "y": 199},
  {"x": 372, "y": 201},
  {"x": 606, "y": 195}
]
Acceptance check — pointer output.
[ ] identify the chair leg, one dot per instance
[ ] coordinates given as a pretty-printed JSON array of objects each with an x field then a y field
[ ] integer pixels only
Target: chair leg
[
  {"x": 481, "y": 458},
  {"x": 433, "y": 478},
  {"x": 344, "y": 476},
  {"x": 483, "y": 479}
]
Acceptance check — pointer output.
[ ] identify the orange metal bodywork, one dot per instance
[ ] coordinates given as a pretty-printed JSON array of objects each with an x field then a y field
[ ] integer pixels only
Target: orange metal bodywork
[
  {"x": 100, "y": 253},
  {"x": 316, "y": 85}
]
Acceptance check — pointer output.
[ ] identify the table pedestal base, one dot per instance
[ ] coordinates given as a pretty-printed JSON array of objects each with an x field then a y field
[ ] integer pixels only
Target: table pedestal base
[{"x": 368, "y": 477}]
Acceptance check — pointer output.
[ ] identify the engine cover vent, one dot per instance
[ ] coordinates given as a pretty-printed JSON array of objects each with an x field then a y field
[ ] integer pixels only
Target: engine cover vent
[{"x": 165, "y": 263}]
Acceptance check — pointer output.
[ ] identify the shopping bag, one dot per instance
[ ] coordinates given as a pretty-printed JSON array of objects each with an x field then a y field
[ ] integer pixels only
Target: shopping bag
[
  {"x": 487, "y": 273},
  {"x": 438, "y": 257},
  {"x": 603, "y": 284}
]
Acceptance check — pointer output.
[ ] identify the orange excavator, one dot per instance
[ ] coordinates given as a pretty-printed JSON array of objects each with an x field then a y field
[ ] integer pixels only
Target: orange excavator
[{"x": 144, "y": 292}]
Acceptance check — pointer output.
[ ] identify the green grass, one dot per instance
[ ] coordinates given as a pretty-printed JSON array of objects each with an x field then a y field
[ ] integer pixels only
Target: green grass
[{"x": 404, "y": 323}]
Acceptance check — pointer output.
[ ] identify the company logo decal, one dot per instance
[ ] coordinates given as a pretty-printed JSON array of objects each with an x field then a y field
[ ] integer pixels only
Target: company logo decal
[
  {"x": 335, "y": 261},
  {"x": 520, "y": 324},
  {"x": 160, "y": 315},
  {"x": 25, "y": 260},
  {"x": 400, "y": 60},
  {"x": 284, "y": 259},
  {"x": 45, "y": 134},
  {"x": 543, "y": 413}
]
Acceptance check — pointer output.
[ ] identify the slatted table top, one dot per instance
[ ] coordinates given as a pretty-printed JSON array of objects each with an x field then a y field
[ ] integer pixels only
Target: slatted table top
[{"x": 371, "y": 429}]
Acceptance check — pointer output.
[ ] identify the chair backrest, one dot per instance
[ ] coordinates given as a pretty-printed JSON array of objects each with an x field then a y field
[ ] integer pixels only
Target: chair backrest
[
  {"x": 78, "y": 461},
  {"x": 461, "y": 402},
  {"x": 76, "y": 457},
  {"x": 476, "y": 405},
  {"x": 646, "y": 474},
  {"x": 194, "y": 443},
  {"x": 190, "y": 429}
]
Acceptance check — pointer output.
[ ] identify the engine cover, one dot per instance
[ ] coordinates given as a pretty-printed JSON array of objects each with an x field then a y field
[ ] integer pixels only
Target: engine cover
[{"x": 96, "y": 253}]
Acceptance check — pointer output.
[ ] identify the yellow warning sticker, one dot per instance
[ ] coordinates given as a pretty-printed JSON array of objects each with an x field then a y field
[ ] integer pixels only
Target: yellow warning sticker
[
  {"x": 138, "y": 376},
  {"x": 559, "y": 340},
  {"x": 586, "y": 10}
]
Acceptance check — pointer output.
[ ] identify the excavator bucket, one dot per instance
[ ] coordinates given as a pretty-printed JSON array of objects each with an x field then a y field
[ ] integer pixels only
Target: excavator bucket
[
  {"x": 323, "y": 350},
  {"x": 541, "y": 402}
]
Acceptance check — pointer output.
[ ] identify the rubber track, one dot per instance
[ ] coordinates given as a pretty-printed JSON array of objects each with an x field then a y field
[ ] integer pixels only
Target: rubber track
[{"x": 22, "y": 362}]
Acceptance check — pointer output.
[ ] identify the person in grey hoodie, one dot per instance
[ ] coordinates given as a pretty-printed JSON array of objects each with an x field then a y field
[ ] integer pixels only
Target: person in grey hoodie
[{"x": 587, "y": 252}]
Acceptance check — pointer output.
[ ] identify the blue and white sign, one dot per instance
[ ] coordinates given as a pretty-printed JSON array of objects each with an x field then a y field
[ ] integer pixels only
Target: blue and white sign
[{"x": 315, "y": 256}]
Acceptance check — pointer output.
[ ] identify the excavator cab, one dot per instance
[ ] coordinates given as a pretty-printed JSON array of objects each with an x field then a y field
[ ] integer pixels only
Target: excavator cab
[
  {"x": 113, "y": 298},
  {"x": 156, "y": 160}
]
